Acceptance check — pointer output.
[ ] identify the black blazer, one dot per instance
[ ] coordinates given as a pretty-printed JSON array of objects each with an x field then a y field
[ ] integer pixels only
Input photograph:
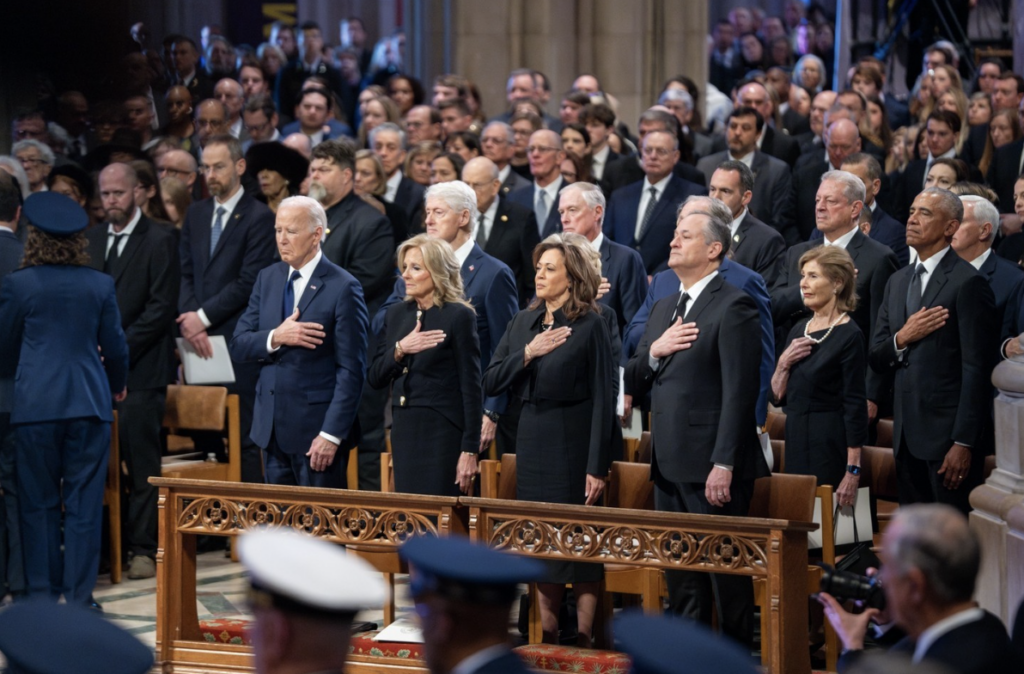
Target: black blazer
[
  {"x": 943, "y": 394},
  {"x": 773, "y": 182},
  {"x": 361, "y": 241},
  {"x": 779, "y": 145},
  {"x": 875, "y": 265},
  {"x": 703, "y": 398},
  {"x": 410, "y": 197},
  {"x": 1006, "y": 279},
  {"x": 11, "y": 251},
  {"x": 513, "y": 182},
  {"x": 805, "y": 189},
  {"x": 907, "y": 187},
  {"x": 624, "y": 269},
  {"x": 1004, "y": 171},
  {"x": 147, "y": 278},
  {"x": 626, "y": 170},
  {"x": 445, "y": 378},
  {"x": 221, "y": 284},
  {"x": 527, "y": 197},
  {"x": 621, "y": 219},
  {"x": 513, "y": 237},
  {"x": 294, "y": 73},
  {"x": 758, "y": 247}
]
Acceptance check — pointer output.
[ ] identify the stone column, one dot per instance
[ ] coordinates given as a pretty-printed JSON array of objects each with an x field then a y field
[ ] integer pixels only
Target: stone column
[{"x": 998, "y": 515}]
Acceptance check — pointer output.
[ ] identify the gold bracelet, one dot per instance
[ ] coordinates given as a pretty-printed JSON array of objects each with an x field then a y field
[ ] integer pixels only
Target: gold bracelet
[
  {"x": 399, "y": 352},
  {"x": 529, "y": 356}
]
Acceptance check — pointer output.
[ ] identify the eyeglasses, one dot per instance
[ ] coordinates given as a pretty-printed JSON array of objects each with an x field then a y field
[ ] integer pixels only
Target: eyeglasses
[
  {"x": 540, "y": 149},
  {"x": 31, "y": 161},
  {"x": 494, "y": 140},
  {"x": 656, "y": 152},
  {"x": 173, "y": 171}
]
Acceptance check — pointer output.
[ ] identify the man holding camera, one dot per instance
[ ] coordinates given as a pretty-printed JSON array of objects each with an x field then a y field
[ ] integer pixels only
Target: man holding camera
[{"x": 930, "y": 564}]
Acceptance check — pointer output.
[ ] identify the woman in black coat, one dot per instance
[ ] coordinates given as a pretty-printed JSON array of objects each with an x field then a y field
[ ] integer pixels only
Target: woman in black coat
[
  {"x": 556, "y": 357},
  {"x": 430, "y": 355},
  {"x": 820, "y": 377}
]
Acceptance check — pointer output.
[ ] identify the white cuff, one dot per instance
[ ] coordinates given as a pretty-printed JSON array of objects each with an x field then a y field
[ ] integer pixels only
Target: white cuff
[
  {"x": 330, "y": 438},
  {"x": 723, "y": 467},
  {"x": 203, "y": 318},
  {"x": 270, "y": 341},
  {"x": 654, "y": 362},
  {"x": 899, "y": 351}
]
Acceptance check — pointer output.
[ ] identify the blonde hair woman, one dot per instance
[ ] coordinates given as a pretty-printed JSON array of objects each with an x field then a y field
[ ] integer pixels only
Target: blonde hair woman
[{"x": 430, "y": 357}]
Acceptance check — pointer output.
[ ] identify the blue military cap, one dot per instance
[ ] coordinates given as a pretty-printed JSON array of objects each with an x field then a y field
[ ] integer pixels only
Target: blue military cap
[
  {"x": 46, "y": 638},
  {"x": 462, "y": 570},
  {"x": 296, "y": 572},
  {"x": 55, "y": 213},
  {"x": 663, "y": 645}
]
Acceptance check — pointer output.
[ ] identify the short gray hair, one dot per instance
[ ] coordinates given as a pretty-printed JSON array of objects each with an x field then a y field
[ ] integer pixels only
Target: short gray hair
[
  {"x": 458, "y": 195},
  {"x": 45, "y": 153},
  {"x": 676, "y": 95},
  {"x": 949, "y": 202},
  {"x": 984, "y": 211},
  {"x": 315, "y": 212},
  {"x": 853, "y": 187},
  {"x": 510, "y": 133},
  {"x": 937, "y": 540},
  {"x": 709, "y": 204},
  {"x": 592, "y": 195},
  {"x": 719, "y": 217},
  {"x": 388, "y": 126}
]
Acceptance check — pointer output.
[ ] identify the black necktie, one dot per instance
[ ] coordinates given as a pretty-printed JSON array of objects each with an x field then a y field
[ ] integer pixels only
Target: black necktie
[
  {"x": 914, "y": 293},
  {"x": 481, "y": 238},
  {"x": 289, "y": 294},
  {"x": 680, "y": 311},
  {"x": 113, "y": 255},
  {"x": 651, "y": 203}
]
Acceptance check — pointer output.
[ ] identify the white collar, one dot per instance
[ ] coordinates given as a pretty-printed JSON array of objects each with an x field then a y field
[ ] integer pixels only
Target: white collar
[
  {"x": 601, "y": 156},
  {"x": 660, "y": 185},
  {"x": 735, "y": 224},
  {"x": 747, "y": 159},
  {"x": 306, "y": 270},
  {"x": 462, "y": 254},
  {"x": 946, "y": 625},
  {"x": 489, "y": 216},
  {"x": 697, "y": 288},
  {"x": 503, "y": 173},
  {"x": 551, "y": 190},
  {"x": 931, "y": 263},
  {"x": 231, "y": 203},
  {"x": 764, "y": 131},
  {"x": 236, "y": 128},
  {"x": 5, "y": 228},
  {"x": 948, "y": 154},
  {"x": 392, "y": 184},
  {"x": 596, "y": 243},
  {"x": 981, "y": 259},
  {"x": 845, "y": 239},
  {"x": 130, "y": 227}
]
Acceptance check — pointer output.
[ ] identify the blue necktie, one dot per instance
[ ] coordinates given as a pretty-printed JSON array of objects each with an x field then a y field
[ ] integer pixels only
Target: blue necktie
[
  {"x": 218, "y": 227},
  {"x": 540, "y": 210},
  {"x": 289, "y": 294}
]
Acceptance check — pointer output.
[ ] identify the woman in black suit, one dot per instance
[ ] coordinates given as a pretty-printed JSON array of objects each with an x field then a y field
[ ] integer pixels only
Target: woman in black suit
[
  {"x": 556, "y": 357},
  {"x": 430, "y": 355},
  {"x": 820, "y": 377}
]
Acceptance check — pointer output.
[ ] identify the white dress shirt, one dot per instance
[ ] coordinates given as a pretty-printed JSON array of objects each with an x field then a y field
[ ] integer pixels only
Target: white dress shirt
[
  {"x": 392, "y": 187},
  {"x": 844, "y": 240},
  {"x": 463, "y": 251},
  {"x": 124, "y": 233},
  {"x": 980, "y": 260},
  {"x": 734, "y": 226},
  {"x": 229, "y": 208},
  {"x": 487, "y": 224},
  {"x": 236, "y": 128},
  {"x": 747, "y": 159},
  {"x": 503, "y": 173},
  {"x": 598, "y": 162},
  {"x": 645, "y": 197},
  {"x": 596, "y": 243},
  {"x": 694, "y": 292}
]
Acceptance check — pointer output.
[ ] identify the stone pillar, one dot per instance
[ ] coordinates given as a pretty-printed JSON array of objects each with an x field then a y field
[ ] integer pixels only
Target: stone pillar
[{"x": 998, "y": 515}]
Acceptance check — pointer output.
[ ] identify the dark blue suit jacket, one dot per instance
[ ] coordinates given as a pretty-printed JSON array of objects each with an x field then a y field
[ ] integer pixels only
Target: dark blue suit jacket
[
  {"x": 667, "y": 283},
  {"x": 58, "y": 372},
  {"x": 490, "y": 287},
  {"x": 319, "y": 388},
  {"x": 11, "y": 251},
  {"x": 1006, "y": 279},
  {"x": 621, "y": 220},
  {"x": 526, "y": 196},
  {"x": 336, "y": 130},
  {"x": 624, "y": 269},
  {"x": 221, "y": 284},
  {"x": 886, "y": 230}
]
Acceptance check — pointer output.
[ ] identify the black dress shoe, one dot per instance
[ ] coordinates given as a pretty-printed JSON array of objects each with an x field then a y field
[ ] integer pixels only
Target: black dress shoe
[{"x": 95, "y": 605}]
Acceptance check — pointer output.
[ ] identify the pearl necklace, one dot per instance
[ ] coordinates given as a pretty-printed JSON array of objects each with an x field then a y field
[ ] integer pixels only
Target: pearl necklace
[{"x": 807, "y": 332}]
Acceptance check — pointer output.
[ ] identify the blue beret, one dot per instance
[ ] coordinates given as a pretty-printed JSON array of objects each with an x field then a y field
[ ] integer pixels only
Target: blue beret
[
  {"x": 55, "y": 213},
  {"x": 663, "y": 645},
  {"x": 465, "y": 571},
  {"x": 45, "y": 638}
]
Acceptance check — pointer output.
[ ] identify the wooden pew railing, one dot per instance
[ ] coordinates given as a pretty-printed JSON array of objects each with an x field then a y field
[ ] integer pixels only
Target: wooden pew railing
[{"x": 775, "y": 550}]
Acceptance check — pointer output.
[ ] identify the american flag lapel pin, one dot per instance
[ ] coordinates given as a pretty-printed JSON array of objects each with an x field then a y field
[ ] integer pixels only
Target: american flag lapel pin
[
  {"x": 312, "y": 287},
  {"x": 471, "y": 267}
]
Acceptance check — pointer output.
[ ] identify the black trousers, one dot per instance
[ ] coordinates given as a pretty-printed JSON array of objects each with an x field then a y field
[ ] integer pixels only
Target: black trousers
[
  {"x": 691, "y": 593},
  {"x": 371, "y": 445},
  {"x": 294, "y": 469},
  {"x": 140, "y": 417},
  {"x": 918, "y": 481},
  {"x": 12, "y": 566},
  {"x": 508, "y": 428}
]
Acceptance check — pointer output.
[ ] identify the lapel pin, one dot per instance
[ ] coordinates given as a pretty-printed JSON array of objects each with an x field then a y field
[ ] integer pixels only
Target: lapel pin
[
  {"x": 471, "y": 267},
  {"x": 504, "y": 218},
  {"x": 736, "y": 238},
  {"x": 312, "y": 287}
]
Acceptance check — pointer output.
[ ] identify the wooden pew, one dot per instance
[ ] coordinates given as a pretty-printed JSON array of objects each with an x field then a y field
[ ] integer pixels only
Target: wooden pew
[{"x": 189, "y": 508}]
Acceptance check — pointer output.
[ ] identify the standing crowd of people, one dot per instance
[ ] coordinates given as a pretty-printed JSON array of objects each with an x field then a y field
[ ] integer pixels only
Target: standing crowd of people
[{"x": 372, "y": 248}]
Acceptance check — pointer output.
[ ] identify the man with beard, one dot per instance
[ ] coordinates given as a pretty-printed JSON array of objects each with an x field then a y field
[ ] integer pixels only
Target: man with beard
[
  {"x": 140, "y": 254},
  {"x": 225, "y": 241}
]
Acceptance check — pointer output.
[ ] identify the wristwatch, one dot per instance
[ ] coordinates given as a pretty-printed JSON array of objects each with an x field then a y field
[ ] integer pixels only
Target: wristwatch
[
  {"x": 853, "y": 470},
  {"x": 493, "y": 416}
]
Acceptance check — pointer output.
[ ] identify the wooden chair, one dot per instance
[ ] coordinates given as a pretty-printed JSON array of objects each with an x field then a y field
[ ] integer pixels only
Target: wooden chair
[
  {"x": 791, "y": 497},
  {"x": 776, "y": 425},
  {"x": 112, "y": 499},
  {"x": 879, "y": 473},
  {"x": 386, "y": 561},
  {"x": 778, "y": 455},
  {"x": 637, "y": 450},
  {"x": 884, "y": 433},
  {"x": 203, "y": 408},
  {"x": 630, "y": 486},
  {"x": 498, "y": 478}
]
